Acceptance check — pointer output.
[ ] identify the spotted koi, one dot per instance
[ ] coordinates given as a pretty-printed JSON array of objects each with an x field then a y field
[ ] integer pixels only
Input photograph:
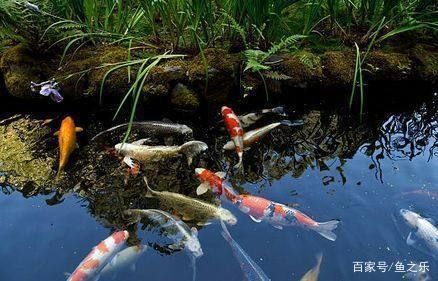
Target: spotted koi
[
  {"x": 90, "y": 268},
  {"x": 279, "y": 215}
]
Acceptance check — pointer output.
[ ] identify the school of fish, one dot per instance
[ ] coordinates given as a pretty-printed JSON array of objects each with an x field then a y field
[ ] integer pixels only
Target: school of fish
[{"x": 114, "y": 252}]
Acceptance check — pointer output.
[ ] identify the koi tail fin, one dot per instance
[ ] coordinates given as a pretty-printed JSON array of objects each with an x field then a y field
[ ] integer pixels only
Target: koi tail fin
[
  {"x": 58, "y": 174},
  {"x": 292, "y": 123},
  {"x": 225, "y": 233},
  {"x": 325, "y": 229},
  {"x": 239, "y": 165},
  {"x": 194, "y": 268},
  {"x": 192, "y": 148}
]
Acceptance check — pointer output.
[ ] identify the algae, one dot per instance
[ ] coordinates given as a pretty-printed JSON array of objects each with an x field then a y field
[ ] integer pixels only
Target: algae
[{"x": 19, "y": 161}]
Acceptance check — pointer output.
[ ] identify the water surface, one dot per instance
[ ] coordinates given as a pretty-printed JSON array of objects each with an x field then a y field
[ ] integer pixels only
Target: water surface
[{"x": 331, "y": 168}]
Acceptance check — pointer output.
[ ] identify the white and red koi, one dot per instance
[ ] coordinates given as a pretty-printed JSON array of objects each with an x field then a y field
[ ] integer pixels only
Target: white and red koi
[
  {"x": 235, "y": 130},
  {"x": 214, "y": 182},
  {"x": 254, "y": 136},
  {"x": 90, "y": 268},
  {"x": 279, "y": 215}
]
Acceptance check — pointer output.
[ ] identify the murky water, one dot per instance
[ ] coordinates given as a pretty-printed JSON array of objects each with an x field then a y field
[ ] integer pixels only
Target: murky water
[{"x": 330, "y": 168}]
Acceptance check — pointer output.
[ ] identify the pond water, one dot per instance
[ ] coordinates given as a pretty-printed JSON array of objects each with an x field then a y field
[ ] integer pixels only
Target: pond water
[{"x": 332, "y": 167}]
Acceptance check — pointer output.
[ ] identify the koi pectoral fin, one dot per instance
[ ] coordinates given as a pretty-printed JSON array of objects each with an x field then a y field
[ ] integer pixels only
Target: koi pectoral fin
[
  {"x": 254, "y": 219},
  {"x": 202, "y": 188},
  {"x": 56, "y": 133},
  {"x": 79, "y": 129},
  {"x": 410, "y": 239}
]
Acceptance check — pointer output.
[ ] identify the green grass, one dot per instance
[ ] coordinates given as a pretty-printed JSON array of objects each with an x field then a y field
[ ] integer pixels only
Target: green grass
[{"x": 257, "y": 28}]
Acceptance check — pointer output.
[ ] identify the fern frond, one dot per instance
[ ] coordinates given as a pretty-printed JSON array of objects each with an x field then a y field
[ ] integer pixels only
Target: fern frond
[
  {"x": 284, "y": 43},
  {"x": 274, "y": 75}
]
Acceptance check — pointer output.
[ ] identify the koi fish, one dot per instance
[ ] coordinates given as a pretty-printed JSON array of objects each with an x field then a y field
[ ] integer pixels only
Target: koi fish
[
  {"x": 214, "y": 182},
  {"x": 67, "y": 141},
  {"x": 145, "y": 153},
  {"x": 425, "y": 231},
  {"x": 236, "y": 132},
  {"x": 90, "y": 268},
  {"x": 254, "y": 136},
  {"x": 279, "y": 215},
  {"x": 183, "y": 237},
  {"x": 250, "y": 268},
  {"x": 160, "y": 128},
  {"x": 312, "y": 274},
  {"x": 124, "y": 258},
  {"x": 250, "y": 118},
  {"x": 191, "y": 208}
]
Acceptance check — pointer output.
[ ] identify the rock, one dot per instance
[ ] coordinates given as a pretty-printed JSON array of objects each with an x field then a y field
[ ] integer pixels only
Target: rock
[
  {"x": 391, "y": 66},
  {"x": 182, "y": 98},
  {"x": 20, "y": 66},
  {"x": 338, "y": 68},
  {"x": 426, "y": 57},
  {"x": 303, "y": 68}
]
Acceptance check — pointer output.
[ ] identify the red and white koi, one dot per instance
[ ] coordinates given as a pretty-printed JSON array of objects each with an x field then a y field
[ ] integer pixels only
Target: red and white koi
[
  {"x": 90, "y": 268},
  {"x": 279, "y": 215},
  {"x": 254, "y": 136},
  {"x": 214, "y": 182},
  {"x": 235, "y": 130}
]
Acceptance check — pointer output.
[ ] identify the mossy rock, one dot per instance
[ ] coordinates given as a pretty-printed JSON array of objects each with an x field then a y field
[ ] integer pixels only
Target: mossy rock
[
  {"x": 220, "y": 65},
  {"x": 302, "y": 68},
  {"x": 182, "y": 98},
  {"x": 388, "y": 66},
  {"x": 88, "y": 85},
  {"x": 20, "y": 66},
  {"x": 338, "y": 68},
  {"x": 427, "y": 62}
]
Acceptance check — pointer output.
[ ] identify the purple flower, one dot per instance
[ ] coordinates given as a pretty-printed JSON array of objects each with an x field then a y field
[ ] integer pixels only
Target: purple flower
[{"x": 48, "y": 89}]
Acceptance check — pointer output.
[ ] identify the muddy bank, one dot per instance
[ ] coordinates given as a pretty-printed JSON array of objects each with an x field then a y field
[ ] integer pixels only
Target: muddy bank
[{"x": 184, "y": 83}]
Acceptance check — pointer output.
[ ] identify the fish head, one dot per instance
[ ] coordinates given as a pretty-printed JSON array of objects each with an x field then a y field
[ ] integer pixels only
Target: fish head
[
  {"x": 122, "y": 148},
  {"x": 194, "y": 247},
  {"x": 227, "y": 216},
  {"x": 410, "y": 217},
  {"x": 186, "y": 131},
  {"x": 200, "y": 174},
  {"x": 226, "y": 110}
]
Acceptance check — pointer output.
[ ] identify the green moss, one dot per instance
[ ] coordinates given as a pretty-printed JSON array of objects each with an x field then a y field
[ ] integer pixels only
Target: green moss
[
  {"x": 427, "y": 56},
  {"x": 338, "y": 67},
  {"x": 388, "y": 66},
  {"x": 78, "y": 86},
  {"x": 219, "y": 61},
  {"x": 20, "y": 66},
  {"x": 302, "y": 67},
  {"x": 184, "y": 98},
  {"x": 18, "y": 142}
]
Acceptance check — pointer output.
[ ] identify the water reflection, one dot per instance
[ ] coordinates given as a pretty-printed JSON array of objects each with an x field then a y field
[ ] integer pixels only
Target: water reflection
[{"x": 326, "y": 142}]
